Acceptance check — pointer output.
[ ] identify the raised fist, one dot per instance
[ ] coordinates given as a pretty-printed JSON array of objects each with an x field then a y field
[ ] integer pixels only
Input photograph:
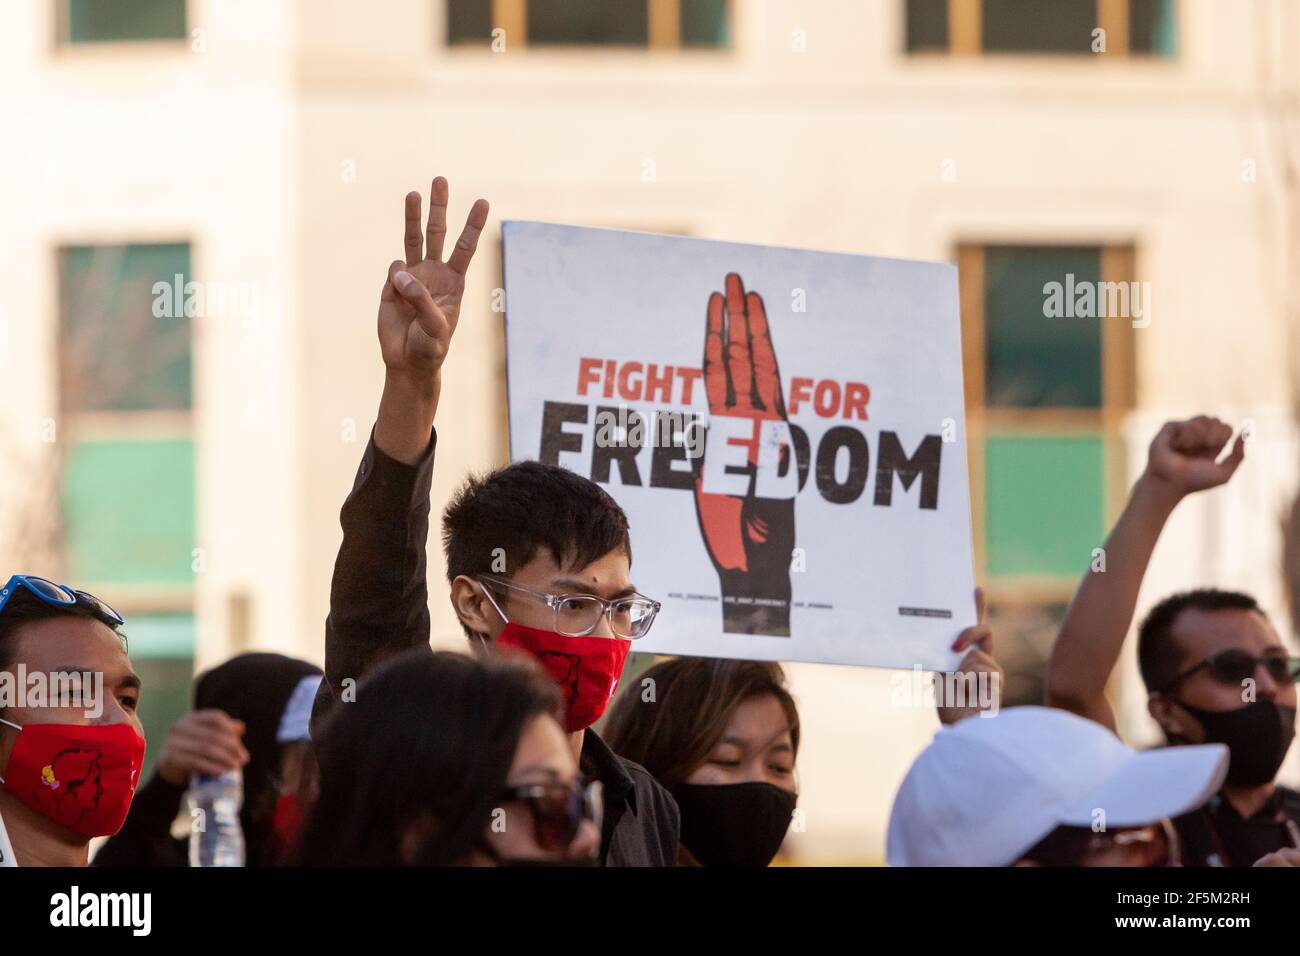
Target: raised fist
[{"x": 1183, "y": 455}]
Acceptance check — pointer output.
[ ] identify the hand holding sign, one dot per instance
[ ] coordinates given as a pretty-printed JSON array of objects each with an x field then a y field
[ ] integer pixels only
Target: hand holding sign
[
  {"x": 749, "y": 538},
  {"x": 980, "y": 677},
  {"x": 418, "y": 311}
]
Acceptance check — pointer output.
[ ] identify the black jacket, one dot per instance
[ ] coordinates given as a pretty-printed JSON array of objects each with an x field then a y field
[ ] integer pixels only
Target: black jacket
[
  {"x": 1216, "y": 835},
  {"x": 145, "y": 838},
  {"x": 379, "y": 607},
  {"x": 256, "y": 689}
]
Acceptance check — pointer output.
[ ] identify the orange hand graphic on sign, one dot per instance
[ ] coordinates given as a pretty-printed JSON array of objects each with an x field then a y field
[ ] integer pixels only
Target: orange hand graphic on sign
[{"x": 749, "y": 539}]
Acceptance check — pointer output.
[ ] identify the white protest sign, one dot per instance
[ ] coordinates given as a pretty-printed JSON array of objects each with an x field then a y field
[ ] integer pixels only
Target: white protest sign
[{"x": 785, "y": 430}]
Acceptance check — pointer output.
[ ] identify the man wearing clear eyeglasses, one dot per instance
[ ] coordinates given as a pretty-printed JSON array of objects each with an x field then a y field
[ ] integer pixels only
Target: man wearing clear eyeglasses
[{"x": 538, "y": 558}]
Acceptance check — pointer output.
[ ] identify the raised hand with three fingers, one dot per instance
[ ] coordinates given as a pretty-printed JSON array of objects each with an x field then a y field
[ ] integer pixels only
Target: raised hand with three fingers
[{"x": 418, "y": 311}]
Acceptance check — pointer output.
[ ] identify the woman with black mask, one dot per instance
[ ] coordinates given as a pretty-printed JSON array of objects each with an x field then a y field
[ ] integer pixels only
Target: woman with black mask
[
  {"x": 722, "y": 738},
  {"x": 444, "y": 760},
  {"x": 250, "y": 713}
]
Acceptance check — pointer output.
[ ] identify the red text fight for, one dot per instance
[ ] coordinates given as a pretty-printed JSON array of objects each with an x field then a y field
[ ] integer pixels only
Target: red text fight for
[{"x": 675, "y": 384}]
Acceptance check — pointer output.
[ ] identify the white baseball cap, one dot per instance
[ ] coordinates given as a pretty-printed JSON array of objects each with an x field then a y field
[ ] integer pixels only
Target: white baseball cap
[
  {"x": 295, "y": 722},
  {"x": 988, "y": 788}
]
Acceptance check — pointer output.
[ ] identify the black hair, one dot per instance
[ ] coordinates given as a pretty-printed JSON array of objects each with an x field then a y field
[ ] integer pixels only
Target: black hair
[
  {"x": 429, "y": 740},
  {"x": 25, "y": 608},
  {"x": 700, "y": 695},
  {"x": 1158, "y": 653},
  {"x": 255, "y": 688},
  {"x": 499, "y": 521}
]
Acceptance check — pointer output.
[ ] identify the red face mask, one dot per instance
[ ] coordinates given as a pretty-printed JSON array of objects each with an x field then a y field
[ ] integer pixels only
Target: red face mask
[
  {"x": 82, "y": 776},
  {"x": 586, "y": 668},
  {"x": 286, "y": 821}
]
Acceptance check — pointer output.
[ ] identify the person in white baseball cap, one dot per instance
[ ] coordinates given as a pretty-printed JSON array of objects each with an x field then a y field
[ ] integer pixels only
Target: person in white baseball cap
[{"x": 1040, "y": 786}]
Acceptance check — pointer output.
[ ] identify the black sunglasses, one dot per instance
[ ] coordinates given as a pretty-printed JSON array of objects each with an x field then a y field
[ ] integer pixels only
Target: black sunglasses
[
  {"x": 1233, "y": 667},
  {"x": 558, "y": 810}
]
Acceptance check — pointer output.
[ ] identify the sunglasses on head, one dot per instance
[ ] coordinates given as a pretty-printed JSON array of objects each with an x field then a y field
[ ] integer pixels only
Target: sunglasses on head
[
  {"x": 1233, "y": 667},
  {"x": 558, "y": 809},
  {"x": 59, "y": 595}
]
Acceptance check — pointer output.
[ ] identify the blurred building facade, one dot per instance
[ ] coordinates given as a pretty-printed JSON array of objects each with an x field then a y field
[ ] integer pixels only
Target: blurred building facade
[{"x": 204, "y": 196}]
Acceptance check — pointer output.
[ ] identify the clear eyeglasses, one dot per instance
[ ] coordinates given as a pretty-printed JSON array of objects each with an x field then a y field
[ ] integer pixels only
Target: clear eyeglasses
[{"x": 577, "y": 615}]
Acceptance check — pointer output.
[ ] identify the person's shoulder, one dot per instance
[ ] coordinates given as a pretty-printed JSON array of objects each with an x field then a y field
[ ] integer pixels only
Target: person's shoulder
[
  {"x": 645, "y": 783},
  {"x": 639, "y": 774},
  {"x": 1290, "y": 801}
]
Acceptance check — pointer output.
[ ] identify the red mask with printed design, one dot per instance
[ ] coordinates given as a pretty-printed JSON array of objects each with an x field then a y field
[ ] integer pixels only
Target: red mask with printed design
[
  {"x": 587, "y": 669},
  {"x": 80, "y": 775}
]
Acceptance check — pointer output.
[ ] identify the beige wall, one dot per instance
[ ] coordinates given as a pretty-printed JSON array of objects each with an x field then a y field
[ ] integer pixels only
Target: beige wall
[
  {"x": 842, "y": 147},
  {"x": 157, "y": 142}
]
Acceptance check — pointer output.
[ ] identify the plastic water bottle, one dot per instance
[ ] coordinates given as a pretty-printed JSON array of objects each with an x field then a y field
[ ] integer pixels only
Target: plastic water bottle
[{"x": 216, "y": 838}]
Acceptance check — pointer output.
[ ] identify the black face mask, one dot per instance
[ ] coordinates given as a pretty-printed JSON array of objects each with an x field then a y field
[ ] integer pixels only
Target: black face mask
[
  {"x": 1257, "y": 735},
  {"x": 734, "y": 824}
]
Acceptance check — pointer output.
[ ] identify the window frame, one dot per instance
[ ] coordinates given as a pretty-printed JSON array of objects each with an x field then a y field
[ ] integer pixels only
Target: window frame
[
  {"x": 144, "y": 424},
  {"x": 1119, "y": 393},
  {"x": 63, "y": 41},
  {"x": 1012, "y": 595},
  {"x": 664, "y": 18},
  {"x": 966, "y": 24}
]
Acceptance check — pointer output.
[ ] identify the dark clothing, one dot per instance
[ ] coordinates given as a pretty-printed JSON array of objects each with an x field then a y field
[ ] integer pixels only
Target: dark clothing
[
  {"x": 254, "y": 688},
  {"x": 379, "y": 607},
  {"x": 1216, "y": 835},
  {"x": 145, "y": 838},
  {"x": 641, "y": 821}
]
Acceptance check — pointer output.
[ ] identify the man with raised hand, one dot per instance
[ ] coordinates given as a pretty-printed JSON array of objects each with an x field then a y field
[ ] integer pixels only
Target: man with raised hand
[
  {"x": 1213, "y": 665},
  {"x": 538, "y": 557}
]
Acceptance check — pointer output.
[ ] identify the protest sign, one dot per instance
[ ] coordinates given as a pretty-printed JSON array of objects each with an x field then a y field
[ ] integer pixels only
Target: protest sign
[{"x": 784, "y": 429}]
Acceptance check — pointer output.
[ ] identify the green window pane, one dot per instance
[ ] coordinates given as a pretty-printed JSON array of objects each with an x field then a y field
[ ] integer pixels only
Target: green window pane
[
  {"x": 1038, "y": 26},
  {"x": 704, "y": 23},
  {"x": 124, "y": 346},
  {"x": 128, "y": 511},
  {"x": 604, "y": 22},
  {"x": 469, "y": 21},
  {"x": 1044, "y": 504},
  {"x": 165, "y": 694},
  {"x": 107, "y": 21},
  {"x": 927, "y": 25},
  {"x": 1034, "y": 359},
  {"x": 163, "y": 635},
  {"x": 1151, "y": 27}
]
